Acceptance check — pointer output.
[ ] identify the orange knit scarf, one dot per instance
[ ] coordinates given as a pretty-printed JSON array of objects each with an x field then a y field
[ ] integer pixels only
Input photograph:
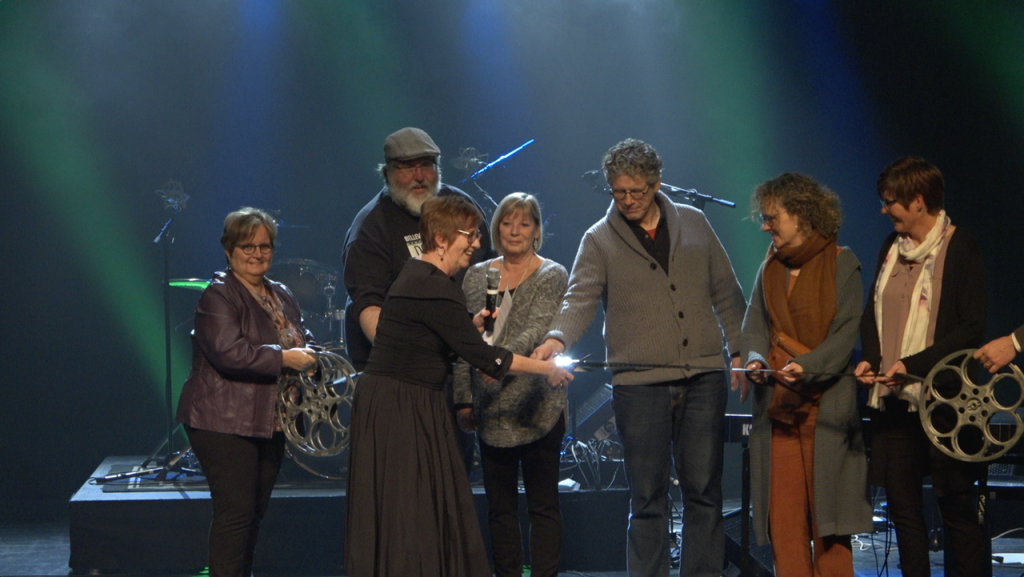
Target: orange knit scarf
[{"x": 799, "y": 321}]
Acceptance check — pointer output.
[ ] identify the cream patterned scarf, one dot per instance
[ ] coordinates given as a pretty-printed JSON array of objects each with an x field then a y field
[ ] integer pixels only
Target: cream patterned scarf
[{"x": 915, "y": 335}]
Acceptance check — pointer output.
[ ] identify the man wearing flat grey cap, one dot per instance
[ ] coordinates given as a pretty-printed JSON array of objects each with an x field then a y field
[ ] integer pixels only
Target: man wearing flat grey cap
[{"x": 386, "y": 233}]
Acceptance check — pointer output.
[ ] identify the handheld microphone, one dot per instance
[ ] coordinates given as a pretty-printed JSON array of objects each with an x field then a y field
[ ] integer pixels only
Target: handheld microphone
[{"x": 493, "y": 279}]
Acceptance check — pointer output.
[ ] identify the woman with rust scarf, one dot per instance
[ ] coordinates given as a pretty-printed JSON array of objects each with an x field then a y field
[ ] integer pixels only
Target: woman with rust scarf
[{"x": 808, "y": 466}]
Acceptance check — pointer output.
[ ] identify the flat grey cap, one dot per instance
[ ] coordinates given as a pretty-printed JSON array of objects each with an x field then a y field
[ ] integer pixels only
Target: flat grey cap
[{"x": 409, "y": 143}]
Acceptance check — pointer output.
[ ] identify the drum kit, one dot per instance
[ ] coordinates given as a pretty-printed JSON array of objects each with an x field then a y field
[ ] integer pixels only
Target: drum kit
[{"x": 314, "y": 286}]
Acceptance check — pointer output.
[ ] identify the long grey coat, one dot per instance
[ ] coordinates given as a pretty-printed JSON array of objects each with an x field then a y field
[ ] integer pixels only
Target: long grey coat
[
  {"x": 841, "y": 503},
  {"x": 521, "y": 408}
]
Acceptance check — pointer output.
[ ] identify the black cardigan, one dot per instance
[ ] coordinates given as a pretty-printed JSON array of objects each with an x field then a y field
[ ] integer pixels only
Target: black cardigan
[{"x": 960, "y": 322}]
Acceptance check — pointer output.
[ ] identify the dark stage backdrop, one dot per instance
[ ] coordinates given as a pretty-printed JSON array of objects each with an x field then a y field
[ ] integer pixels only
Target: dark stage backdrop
[{"x": 285, "y": 105}]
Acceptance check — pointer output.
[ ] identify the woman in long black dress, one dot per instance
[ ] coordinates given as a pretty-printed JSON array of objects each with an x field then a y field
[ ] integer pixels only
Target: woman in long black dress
[{"x": 410, "y": 507}]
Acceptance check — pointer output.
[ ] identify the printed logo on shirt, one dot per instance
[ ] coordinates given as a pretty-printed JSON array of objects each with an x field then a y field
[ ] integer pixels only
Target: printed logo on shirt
[{"x": 414, "y": 244}]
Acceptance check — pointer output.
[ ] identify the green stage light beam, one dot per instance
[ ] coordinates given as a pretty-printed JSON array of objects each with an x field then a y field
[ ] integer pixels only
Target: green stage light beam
[{"x": 45, "y": 123}]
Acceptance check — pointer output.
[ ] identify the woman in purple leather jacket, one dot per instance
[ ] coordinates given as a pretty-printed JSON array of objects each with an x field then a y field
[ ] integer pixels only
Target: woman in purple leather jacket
[{"x": 247, "y": 330}]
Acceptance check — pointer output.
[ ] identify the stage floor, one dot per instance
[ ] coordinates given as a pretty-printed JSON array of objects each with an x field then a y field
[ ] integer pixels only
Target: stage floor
[
  {"x": 163, "y": 533},
  {"x": 42, "y": 550}
]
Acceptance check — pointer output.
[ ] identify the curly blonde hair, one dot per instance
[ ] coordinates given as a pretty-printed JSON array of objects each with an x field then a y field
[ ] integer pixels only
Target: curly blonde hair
[{"x": 816, "y": 207}]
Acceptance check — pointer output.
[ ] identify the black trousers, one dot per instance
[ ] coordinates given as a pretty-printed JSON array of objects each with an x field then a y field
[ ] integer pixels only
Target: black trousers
[
  {"x": 241, "y": 472},
  {"x": 966, "y": 540},
  {"x": 540, "y": 462}
]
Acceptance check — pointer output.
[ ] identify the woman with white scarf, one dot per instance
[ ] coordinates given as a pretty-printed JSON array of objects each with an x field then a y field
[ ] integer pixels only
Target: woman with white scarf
[{"x": 928, "y": 301}]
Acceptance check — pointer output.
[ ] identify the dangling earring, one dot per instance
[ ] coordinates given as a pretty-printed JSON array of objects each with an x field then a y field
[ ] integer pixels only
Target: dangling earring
[{"x": 440, "y": 253}]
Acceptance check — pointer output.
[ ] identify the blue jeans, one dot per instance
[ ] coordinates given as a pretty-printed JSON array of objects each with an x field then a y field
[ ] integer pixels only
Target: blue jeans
[{"x": 682, "y": 421}]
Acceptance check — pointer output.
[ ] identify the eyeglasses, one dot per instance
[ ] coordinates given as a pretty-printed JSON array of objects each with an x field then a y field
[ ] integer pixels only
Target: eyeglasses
[
  {"x": 886, "y": 203},
  {"x": 471, "y": 236},
  {"x": 637, "y": 194},
  {"x": 769, "y": 219},
  {"x": 409, "y": 168},
  {"x": 251, "y": 248}
]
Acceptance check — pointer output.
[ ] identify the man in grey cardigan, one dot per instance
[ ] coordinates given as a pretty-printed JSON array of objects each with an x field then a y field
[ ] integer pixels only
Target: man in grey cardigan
[{"x": 671, "y": 298}]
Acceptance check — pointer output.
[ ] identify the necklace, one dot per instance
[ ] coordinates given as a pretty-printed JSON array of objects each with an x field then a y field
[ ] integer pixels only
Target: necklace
[
  {"x": 289, "y": 336},
  {"x": 263, "y": 298},
  {"x": 529, "y": 263}
]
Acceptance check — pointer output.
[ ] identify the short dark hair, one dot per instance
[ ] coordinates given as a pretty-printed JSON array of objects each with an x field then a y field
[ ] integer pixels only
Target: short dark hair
[
  {"x": 241, "y": 225},
  {"x": 814, "y": 204},
  {"x": 634, "y": 158},
  {"x": 910, "y": 176},
  {"x": 446, "y": 215}
]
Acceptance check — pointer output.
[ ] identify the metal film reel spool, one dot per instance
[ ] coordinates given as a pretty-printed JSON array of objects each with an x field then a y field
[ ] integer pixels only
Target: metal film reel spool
[
  {"x": 317, "y": 407},
  {"x": 969, "y": 421}
]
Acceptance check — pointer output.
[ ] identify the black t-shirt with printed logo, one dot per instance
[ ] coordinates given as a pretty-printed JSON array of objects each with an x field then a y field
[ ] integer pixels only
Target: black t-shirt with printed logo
[{"x": 383, "y": 236}]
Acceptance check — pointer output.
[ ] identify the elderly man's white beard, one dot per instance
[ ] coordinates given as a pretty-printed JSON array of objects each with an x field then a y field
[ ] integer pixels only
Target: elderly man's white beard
[{"x": 404, "y": 198}]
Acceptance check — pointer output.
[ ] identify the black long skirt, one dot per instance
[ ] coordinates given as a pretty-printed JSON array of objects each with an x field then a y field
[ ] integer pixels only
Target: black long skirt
[{"x": 410, "y": 507}]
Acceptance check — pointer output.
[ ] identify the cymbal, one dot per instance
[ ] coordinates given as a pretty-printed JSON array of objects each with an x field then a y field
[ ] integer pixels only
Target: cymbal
[
  {"x": 282, "y": 224},
  {"x": 196, "y": 284},
  {"x": 303, "y": 265},
  {"x": 468, "y": 163}
]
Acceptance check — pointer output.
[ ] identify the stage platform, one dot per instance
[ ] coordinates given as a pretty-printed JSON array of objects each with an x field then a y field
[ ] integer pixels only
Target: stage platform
[
  {"x": 118, "y": 528},
  {"x": 144, "y": 527}
]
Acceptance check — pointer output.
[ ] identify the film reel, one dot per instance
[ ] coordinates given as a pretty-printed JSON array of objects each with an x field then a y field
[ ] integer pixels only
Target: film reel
[
  {"x": 966, "y": 418},
  {"x": 317, "y": 406}
]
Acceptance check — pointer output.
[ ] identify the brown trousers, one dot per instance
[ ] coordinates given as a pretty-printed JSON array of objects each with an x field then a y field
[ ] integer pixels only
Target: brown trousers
[{"x": 791, "y": 507}]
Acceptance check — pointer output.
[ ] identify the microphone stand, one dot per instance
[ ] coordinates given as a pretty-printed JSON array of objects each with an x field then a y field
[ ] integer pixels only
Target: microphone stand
[
  {"x": 693, "y": 197},
  {"x": 490, "y": 165},
  {"x": 160, "y": 472},
  {"x": 165, "y": 239},
  {"x": 595, "y": 178},
  {"x": 175, "y": 199},
  {"x": 501, "y": 159}
]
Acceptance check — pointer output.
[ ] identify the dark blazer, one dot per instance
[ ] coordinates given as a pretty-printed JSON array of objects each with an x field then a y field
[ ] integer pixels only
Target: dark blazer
[{"x": 236, "y": 360}]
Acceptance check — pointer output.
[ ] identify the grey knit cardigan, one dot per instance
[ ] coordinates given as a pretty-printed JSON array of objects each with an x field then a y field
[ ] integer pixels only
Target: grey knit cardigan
[
  {"x": 841, "y": 503},
  {"x": 521, "y": 408},
  {"x": 652, "y": 317}
]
